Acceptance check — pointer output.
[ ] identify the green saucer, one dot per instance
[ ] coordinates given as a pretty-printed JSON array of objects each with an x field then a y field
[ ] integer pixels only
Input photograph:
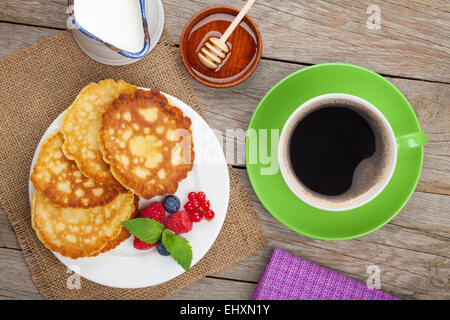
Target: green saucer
[{"x": 272, "y": 113}]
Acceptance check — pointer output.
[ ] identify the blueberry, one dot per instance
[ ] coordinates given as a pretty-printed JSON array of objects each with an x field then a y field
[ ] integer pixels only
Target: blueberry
[
  {"x": 162, "y": 250},
  {"x": 171, "y": 204}
]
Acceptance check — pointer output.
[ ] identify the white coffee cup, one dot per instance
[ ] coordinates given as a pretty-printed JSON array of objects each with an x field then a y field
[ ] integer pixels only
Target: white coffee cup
[{"x": 371, "y": 175}]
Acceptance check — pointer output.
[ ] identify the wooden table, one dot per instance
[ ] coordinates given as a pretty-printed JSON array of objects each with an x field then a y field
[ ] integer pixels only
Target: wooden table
[{"x": 412, "y": 49}]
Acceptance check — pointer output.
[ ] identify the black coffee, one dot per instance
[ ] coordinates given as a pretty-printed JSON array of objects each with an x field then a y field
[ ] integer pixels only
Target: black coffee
[{"x": 326, "y": 147}]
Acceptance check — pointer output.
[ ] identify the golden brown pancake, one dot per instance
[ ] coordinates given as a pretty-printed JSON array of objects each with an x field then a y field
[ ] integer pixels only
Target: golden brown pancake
[
  {"x": 62, "y": 181},
  {"x": 81, "y": 124},
  {"x": 124, "y": 234},
  {"x": 79, "y": 232},
  {"x": 147, "y": 142}
]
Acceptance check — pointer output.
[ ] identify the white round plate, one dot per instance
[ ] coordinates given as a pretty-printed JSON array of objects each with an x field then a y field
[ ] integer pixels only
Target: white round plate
[
  {"x": 101, "y": 53},
  {"x": 127, "y": 267}
]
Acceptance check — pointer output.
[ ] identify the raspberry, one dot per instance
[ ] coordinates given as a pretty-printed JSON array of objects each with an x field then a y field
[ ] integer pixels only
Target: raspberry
[
  {"x": 179, "y": 222},
  {"x": 195, "y": 216},
  {"x": 154, "y": 211},
  {"x": 141, "y": 245}
]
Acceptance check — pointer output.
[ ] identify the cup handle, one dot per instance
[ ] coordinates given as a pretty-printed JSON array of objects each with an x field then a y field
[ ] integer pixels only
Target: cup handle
[{"x": 412, "y": 140}]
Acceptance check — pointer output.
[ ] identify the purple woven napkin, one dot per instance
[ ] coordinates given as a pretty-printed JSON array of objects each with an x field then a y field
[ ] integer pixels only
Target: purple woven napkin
[{"x": 288, "y": 277}]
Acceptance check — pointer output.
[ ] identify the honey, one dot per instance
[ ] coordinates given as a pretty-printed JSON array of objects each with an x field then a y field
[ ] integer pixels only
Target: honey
[{"x": 243, "y": 45}]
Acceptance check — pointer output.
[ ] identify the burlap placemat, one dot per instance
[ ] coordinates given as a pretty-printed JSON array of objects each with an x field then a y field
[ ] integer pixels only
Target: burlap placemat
[{"x": 38, "y": 83}]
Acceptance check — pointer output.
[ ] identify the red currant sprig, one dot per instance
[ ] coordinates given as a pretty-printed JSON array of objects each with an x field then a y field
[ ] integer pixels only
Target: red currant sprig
[{"x": 198, "y": 207}]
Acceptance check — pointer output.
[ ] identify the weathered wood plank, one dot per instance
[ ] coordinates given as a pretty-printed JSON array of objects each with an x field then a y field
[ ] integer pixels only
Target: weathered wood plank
[
  {"x": 414, "y": 264},
  {"x": 412, "y": 33},
  {"x": 426, "y": 233},
  {"x": 232, "y": 108},
  {"x": 8, "y": 238},
  {"x": 425, "y": 213},
  {"x": 15, "y": 37},
  {"x": 16, "y": 283},
  {"x": 47, "y": 13},
  {"x": 328, "y": 31},
  {"x": 394, "y": 281},
  {"x": 15, "y": 277},
  {"x": 215, "y": 289}
]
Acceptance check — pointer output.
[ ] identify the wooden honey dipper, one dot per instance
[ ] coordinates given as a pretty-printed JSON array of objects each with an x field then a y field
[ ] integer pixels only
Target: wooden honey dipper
[{"x": 215, "y": 49}]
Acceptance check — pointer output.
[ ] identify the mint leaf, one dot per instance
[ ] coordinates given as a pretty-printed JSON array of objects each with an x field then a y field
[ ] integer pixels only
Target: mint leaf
[
  {"x": 145, "y": 229},
  {"x": 178, "y": 247}
]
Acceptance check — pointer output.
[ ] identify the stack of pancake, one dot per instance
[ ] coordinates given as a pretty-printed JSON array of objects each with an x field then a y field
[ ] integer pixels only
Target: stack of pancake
[{"x": 117, "y": 143}]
